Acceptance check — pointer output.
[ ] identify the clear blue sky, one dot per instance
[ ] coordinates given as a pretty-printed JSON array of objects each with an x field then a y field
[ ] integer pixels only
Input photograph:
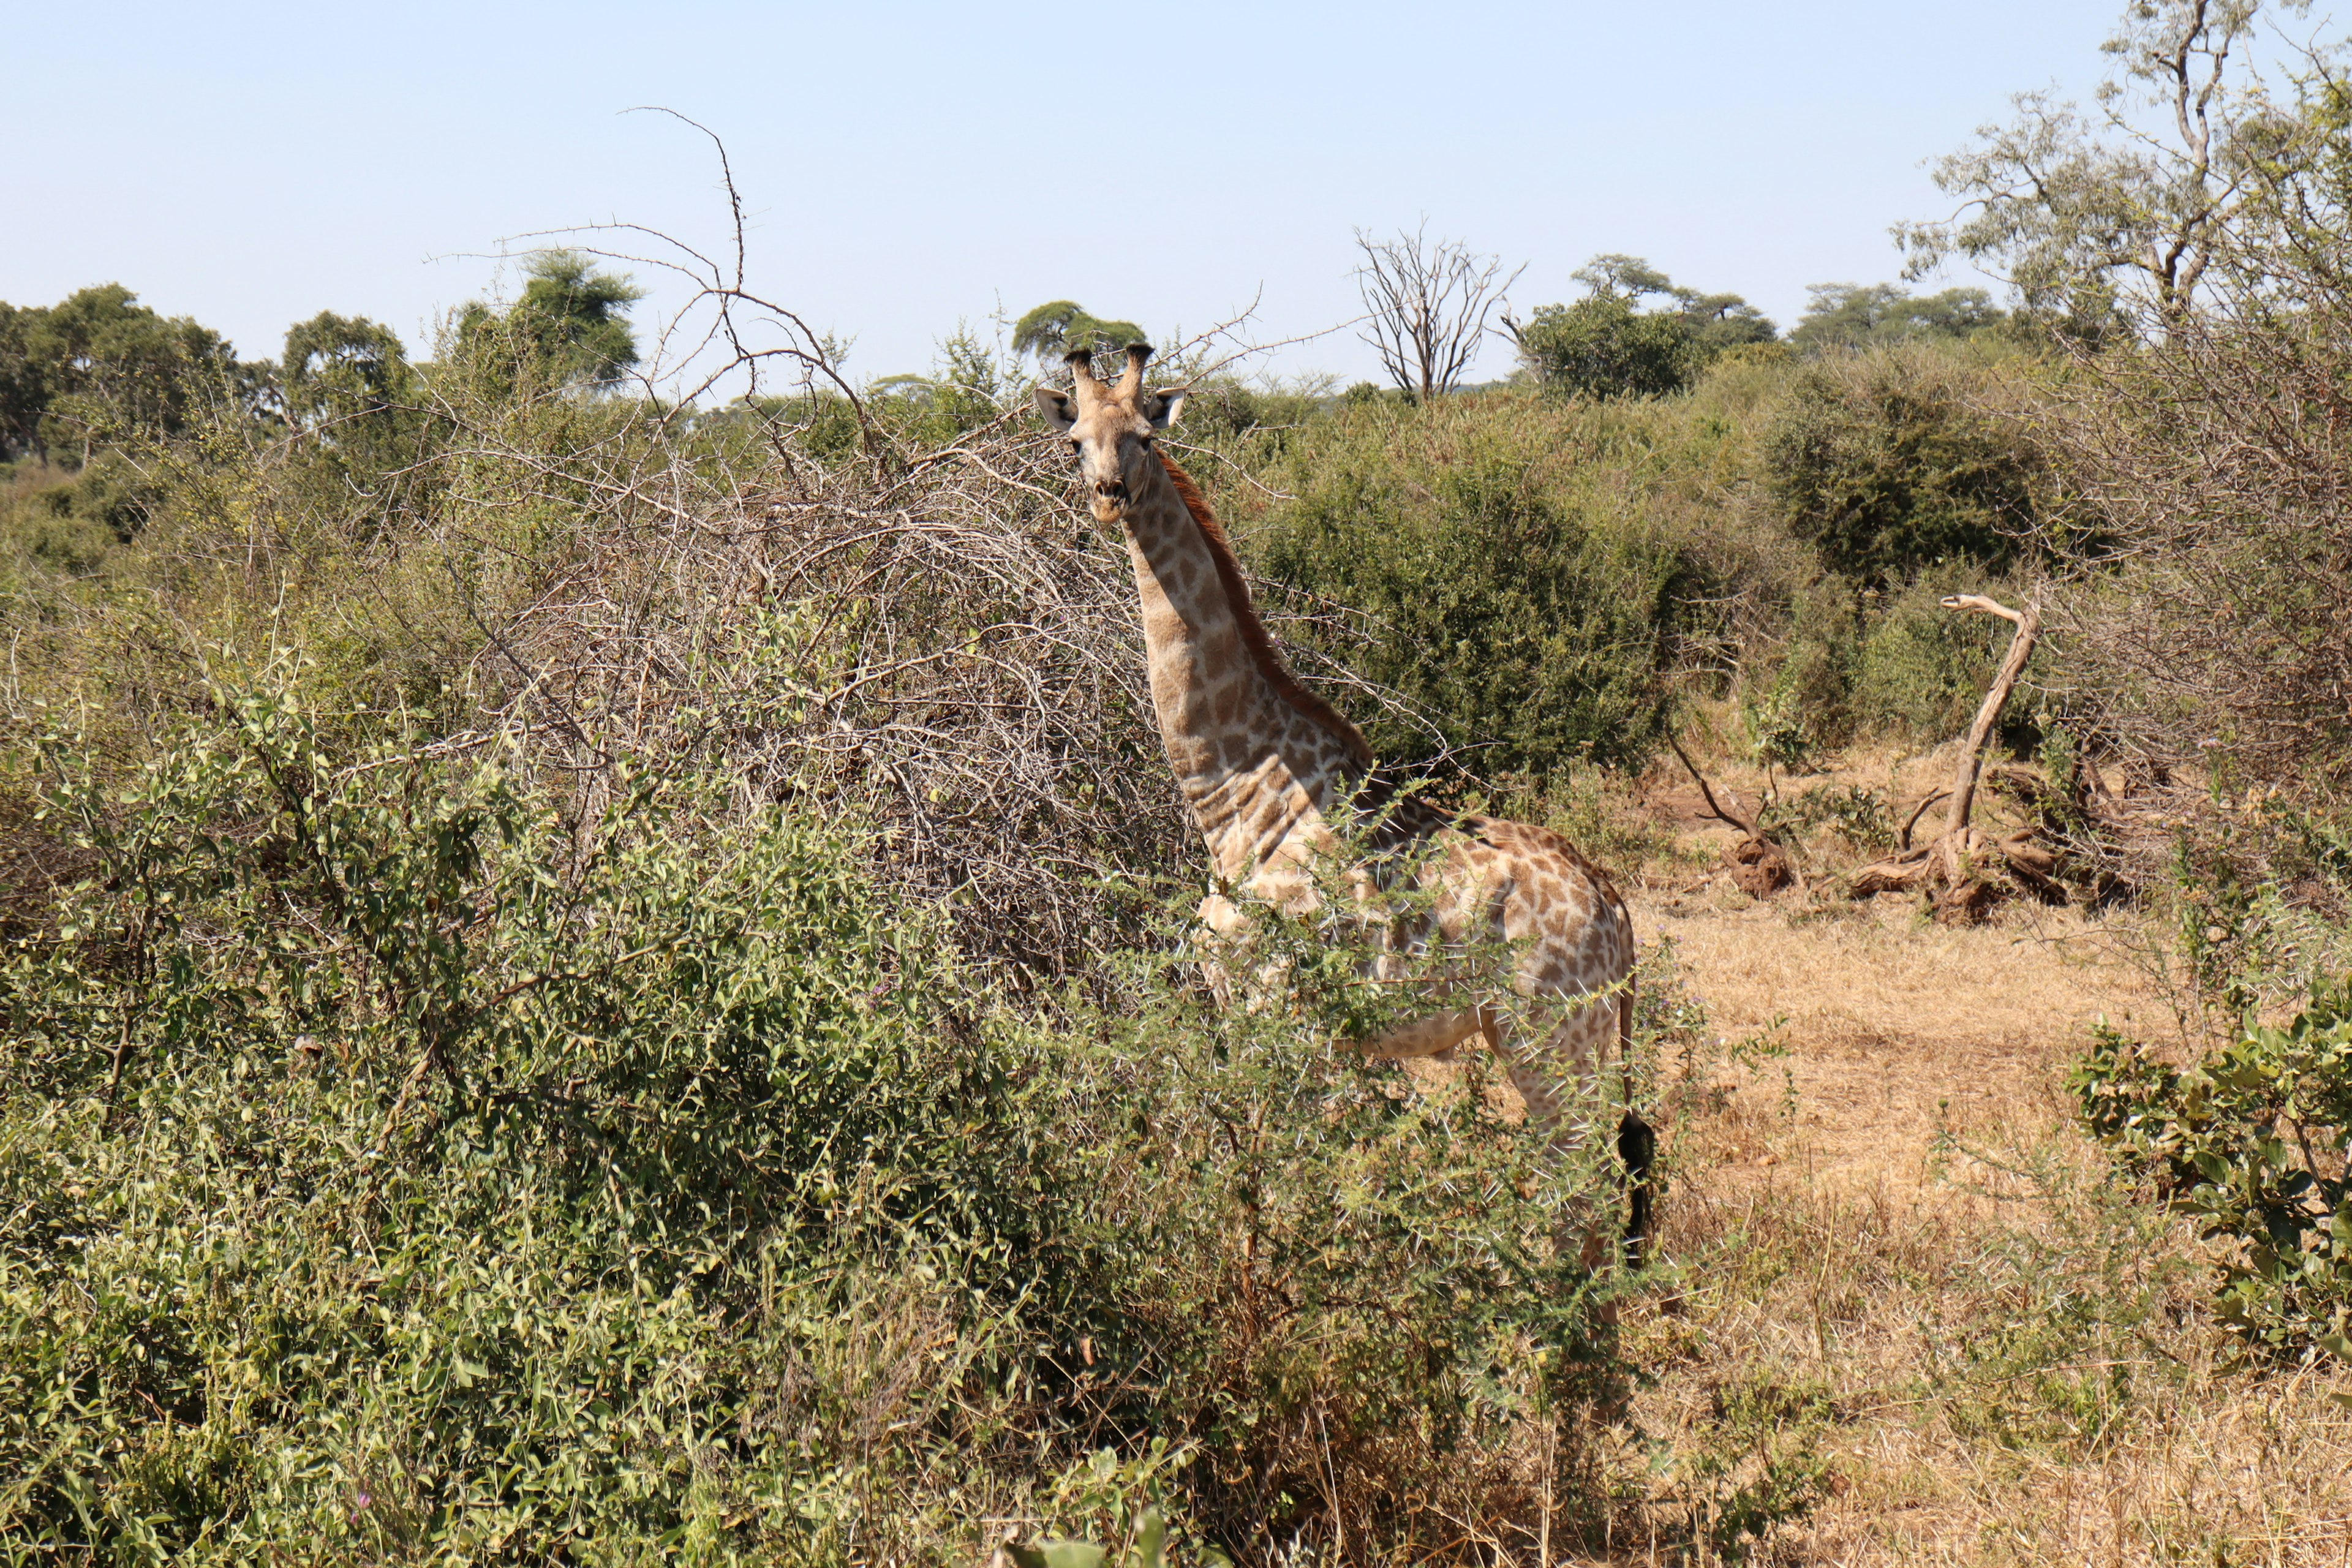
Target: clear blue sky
[{"x": 909, "y": 164}]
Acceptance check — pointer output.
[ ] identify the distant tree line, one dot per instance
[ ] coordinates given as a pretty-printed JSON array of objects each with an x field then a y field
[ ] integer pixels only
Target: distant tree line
[{"x": 99, "y": 366}]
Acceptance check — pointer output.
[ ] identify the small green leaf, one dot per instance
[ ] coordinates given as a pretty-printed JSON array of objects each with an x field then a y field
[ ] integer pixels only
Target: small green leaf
[
  {"x": 1150, "y": 1540},
  {"x": 1055, "y": 1554}
]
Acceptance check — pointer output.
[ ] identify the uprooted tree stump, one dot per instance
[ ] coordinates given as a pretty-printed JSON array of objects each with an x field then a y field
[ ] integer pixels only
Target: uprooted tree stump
[{"x": 1953, "y": 867}]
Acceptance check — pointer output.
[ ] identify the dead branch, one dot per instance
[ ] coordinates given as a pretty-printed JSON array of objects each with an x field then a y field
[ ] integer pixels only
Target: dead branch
[
  {"x": 1760, "y": 864},
  {"x": 1700, "y": 779},
  {"x": 1953, "y": 865},
  {"x": 2027, "y": 622},
  {"x": 1427, "y": 306}
]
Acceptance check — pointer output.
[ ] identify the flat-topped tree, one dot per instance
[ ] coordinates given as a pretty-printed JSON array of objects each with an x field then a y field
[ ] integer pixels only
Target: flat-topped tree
[{"x": 1062, "y": 327}]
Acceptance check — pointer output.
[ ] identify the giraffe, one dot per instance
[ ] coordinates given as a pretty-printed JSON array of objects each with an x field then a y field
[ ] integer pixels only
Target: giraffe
[{"x": 1264, "y": 763}]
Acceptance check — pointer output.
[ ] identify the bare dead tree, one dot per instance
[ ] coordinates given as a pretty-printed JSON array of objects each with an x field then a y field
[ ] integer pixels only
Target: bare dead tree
[
  {"x": 1426, "y": 304},
  {"x": 1953, "y": 865}
]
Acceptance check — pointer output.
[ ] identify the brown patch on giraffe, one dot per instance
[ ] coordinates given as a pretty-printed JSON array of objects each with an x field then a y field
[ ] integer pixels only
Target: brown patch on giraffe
[{"x": 1254, "y": 637}]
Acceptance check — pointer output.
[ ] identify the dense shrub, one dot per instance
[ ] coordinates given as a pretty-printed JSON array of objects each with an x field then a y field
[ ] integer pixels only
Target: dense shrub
[
  {"x": 400, "y": 1159},
  {"x": 2252, "y": 1139},
  {"x": 1921, "y": 668},
  {"x": 1884, "y": 464},
  {"x": 1603, "y": 347},
  {"x": 1528, "y": 574}
]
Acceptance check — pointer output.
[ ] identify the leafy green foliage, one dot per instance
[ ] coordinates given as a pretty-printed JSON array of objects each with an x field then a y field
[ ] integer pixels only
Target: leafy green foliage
[
  {"x": 1883, "y": 466},
  {"x": 1060, "y": 327},
  {"x": 1520, "y": 613},
  {"x": 1857, "y": 316},
  {"x": 1763, "y": 1466},
  {"x": 1921, "y": 670},
  {"x": 569, "y": 325},
  {"x": 399, "y": 1159},
  {"x": 360, "y": 425},
  {"x": 1601, "y": 346},
  {"x": 490, "y": 1124},
  {"x": 343, "y": 369},
  {"x": 99, "y": 367},
  {"x": 2251, "y": 1139},
  {"x": 1605, "y": 345},
  {"x": 23, "y": 386}
]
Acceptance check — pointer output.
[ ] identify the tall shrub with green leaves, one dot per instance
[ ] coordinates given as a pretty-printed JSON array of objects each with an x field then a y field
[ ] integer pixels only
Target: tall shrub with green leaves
[
  {"x": 1606, "y": 345},
  {"x": 570, "y": 327},
  {"x": 1887, "y": 463},
  {"x": 1527, "y": 606},
  {"x": 2253, "y": 1140}
]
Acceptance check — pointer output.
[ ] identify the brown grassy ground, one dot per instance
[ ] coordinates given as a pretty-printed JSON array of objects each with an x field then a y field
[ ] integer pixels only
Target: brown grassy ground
[{"x": 1899, "y": 1262}]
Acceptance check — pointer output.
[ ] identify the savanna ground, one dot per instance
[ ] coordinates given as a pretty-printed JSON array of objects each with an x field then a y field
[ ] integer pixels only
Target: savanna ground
[{"x": 1893, "y": 1257}]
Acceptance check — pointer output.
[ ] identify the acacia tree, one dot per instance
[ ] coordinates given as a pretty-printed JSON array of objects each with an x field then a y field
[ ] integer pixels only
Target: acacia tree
[
  {"x": 98, "y": 365},
  {"x": 2099, "y": 217},
  {"x": 1427, "y": 306},
  {"x": 1060, "y": 327},
  {"x": 1607, "y": 345},
  {"x": 2207, "y": 523},
  {"x": 571, "y": 318}
]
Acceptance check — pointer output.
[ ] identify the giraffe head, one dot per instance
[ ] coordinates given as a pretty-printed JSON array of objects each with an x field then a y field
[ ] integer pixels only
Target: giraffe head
[{"x": 1109, "y": 428}]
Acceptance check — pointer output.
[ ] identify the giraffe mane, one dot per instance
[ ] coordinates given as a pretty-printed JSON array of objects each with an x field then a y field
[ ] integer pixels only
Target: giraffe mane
[{"x": 1254, "y": 637}]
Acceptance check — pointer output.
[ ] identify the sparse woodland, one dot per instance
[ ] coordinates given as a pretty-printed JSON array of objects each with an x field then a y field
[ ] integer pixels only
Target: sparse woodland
[{"x": 596, "y": 951}]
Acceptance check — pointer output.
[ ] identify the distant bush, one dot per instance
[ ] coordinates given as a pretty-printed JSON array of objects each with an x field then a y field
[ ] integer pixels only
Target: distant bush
[
  {"x": 1523, "y": 604},
  {"x": 1605, "y": 345},
  {"x": 1886, "y": 464},
  {"x": 99, "y": 367},
  {"x": 1850, "y": 316}
]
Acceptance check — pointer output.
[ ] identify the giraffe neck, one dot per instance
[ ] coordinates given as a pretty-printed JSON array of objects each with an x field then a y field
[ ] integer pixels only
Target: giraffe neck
[{"x": 1254, "y": 753}]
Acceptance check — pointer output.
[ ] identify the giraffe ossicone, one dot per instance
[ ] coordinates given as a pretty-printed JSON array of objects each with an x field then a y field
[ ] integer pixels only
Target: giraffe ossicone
[{"x": 1266, "y": 766}]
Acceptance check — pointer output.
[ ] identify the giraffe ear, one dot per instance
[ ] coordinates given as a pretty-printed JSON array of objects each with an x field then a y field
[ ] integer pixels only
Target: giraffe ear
[
  {"x": 1054, "y": 406},
  {"x": 1162, "y": 407}
]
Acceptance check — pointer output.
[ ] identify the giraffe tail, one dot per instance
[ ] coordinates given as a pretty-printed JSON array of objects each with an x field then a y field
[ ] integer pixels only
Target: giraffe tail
[{"x": 1637, "y": 1142}]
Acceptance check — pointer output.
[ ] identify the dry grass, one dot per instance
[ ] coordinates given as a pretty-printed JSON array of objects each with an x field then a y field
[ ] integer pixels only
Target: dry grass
[{"x": 1883, "y": 1211}]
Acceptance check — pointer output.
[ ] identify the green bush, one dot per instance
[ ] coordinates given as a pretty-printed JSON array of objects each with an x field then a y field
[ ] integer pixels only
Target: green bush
[
  {"x": 1603, "y": 347},
  {"x": 2253, "y": 1140},
  {"x": 399, "y": 1161},
  {"x": 1921, "y": 670},
  {"x": 1526, "y": 604},
  {"x": 1886, "y": 464}
]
